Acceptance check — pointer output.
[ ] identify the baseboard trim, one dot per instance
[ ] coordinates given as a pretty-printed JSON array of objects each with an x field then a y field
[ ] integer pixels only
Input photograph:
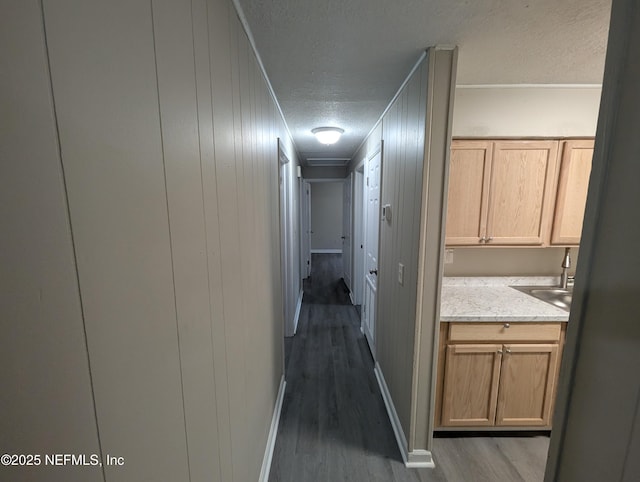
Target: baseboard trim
[
  {"x": 273, "y": 432},
  {"x": 416, "y": 458},
  {"x": 296, "y": 317},
  {"x": 326, "y": 251}
]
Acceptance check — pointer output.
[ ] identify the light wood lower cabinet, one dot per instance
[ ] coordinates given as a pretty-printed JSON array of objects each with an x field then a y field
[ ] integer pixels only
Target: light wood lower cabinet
[
  {"x": 527, "y": 384},
  {"x": 471, "y": 385},
  {"x": 485, "y": 384}
]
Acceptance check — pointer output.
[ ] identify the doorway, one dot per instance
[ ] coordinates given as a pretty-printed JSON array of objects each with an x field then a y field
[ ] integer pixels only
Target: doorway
[
  {"x": 289, "y": 243},
  {"x": 347, "y": 222},
  {"x": 305, "y": 228},
  {"x": 326, "y": 213},
  {"x": 358, "y": 237}
]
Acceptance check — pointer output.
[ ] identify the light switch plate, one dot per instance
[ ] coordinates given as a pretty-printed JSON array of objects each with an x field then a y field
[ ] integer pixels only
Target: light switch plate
[
  {"x": 386, "y": 212},
  {"x": 401, "y": 273}
]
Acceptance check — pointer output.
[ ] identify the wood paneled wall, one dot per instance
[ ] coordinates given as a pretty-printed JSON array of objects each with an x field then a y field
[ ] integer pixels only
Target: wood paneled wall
[
  {"x": 46, "y": 399},
  {"x": 401, "y": 131},
  {"x": 142, "y": 286},
  {"x": 370, "y": 145},
  {"x": 402, "y": 157},
  {"x": 415, "y": 133}
]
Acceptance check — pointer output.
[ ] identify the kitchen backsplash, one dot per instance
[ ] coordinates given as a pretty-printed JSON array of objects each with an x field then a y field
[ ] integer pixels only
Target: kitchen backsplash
[{"x": 508, "y": 262}]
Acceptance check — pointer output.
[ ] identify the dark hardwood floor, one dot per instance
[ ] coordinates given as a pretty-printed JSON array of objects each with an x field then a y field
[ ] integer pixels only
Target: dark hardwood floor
[{"x": 334, "y": 425}]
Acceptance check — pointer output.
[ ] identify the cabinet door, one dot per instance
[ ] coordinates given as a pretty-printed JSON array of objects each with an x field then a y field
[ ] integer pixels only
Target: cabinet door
[
  {"x": 521, "y": 193},
  {"x": 575, "y": 169},
  {"x": 470, "y": 389},
  {"x": 527, "y": 385},
  {"x": 468, "y": 185}
]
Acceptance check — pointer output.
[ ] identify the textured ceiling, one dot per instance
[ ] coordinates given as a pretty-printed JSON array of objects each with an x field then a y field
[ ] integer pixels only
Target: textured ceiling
[{"x": 339, "y": 62}]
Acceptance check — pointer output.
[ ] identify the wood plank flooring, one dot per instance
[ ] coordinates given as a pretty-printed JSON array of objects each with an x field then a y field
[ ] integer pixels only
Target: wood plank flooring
[{"x": 334, "y": 425}]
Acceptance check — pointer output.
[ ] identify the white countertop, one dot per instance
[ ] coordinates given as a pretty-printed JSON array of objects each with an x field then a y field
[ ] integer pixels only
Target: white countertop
[{"x": 492, "y": 299}]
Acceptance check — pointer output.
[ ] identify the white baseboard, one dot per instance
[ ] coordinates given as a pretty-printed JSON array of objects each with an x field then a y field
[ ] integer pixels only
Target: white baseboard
[
  {"x": 273, "y": 432},
  {"x": 326, "y": 251},
  {"x": 420, "y": 459},
  {"x": 296, "y": 317},
  {"x": 416, "y": 458}
]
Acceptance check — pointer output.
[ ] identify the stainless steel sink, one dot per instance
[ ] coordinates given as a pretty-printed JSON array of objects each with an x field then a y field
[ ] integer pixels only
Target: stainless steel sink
[{"x": 551, "y": 294}]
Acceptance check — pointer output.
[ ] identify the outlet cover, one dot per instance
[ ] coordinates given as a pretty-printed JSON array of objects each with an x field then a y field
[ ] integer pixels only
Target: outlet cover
[{"x": 448, "y": 256}]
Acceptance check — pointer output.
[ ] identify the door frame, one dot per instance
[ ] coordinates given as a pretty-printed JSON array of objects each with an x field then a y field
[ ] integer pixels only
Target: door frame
[
  {"x": 347, "y": 237},
  {"x": 286, "y": 240},
  {"x": 357, "y": 234},
  {"x": 313, "y": 181},
  {"x": 305, "y": 224},
  {"x": 377, "y": 150}
]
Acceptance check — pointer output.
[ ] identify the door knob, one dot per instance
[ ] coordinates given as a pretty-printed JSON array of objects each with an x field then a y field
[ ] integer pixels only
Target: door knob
[
  {"x": 343, "y": 237},
  {"x": 373, "y": 271}
]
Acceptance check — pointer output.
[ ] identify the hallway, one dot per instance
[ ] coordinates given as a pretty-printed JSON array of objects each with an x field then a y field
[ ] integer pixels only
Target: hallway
[{"x": 334, "y": 425}]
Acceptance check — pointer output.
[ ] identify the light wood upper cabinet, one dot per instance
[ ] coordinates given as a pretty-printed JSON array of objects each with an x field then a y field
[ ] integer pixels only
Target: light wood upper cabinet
[
  {"x": 573, "y": 182},
  {"x": 521, "y": 193},
  {"x": 468, "y": 186},
  {"x": 501, "y": 193},
  {"x": 527, "y": 384}
]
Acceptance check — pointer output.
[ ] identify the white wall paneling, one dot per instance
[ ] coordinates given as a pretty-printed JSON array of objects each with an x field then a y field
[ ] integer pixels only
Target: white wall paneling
[
  {"x": 177, "y": 90},
  {"x": 46, "y": 395},
  {"x": 414, "y": 150},
  {"x": 105, "y": 89},
  {"x": 403, "y": 135},
  {"x": 165, "y": 152}
]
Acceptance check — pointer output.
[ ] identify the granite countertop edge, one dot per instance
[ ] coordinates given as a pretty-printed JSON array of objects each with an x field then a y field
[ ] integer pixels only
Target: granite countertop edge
[{"x": 491, "y": 299}]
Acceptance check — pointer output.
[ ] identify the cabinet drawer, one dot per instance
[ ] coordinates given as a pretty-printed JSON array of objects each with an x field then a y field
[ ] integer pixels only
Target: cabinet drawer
[{"x": 504, "y": 331}]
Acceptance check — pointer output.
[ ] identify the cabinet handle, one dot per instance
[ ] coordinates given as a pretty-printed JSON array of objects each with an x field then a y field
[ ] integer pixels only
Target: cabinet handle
[
  {"x": 499, "y": 352},
  {"x": 507, "y": 325},
  {"x": 508, "y": 351},
  {"x": 490, "y": 238},
  {"x": 483, "y": 239}
]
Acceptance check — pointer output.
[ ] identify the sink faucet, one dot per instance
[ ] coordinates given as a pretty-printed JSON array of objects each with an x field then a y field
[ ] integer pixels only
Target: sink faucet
[{"x": 566, "y": 264}]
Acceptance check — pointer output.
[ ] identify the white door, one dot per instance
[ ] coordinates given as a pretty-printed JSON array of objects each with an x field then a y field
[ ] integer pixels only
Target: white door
[
  {"x": 346, "y": 231},
  {"x": 305, "y": 222},
  {"x": 372, "y": 227}
]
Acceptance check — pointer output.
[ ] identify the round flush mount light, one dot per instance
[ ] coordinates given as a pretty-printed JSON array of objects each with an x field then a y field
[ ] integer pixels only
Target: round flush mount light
[{"x": 327, "y": 135}]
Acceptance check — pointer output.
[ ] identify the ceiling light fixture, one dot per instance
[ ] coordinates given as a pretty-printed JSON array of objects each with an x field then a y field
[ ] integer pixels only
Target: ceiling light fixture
[{"x": 327, "y": 135}]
